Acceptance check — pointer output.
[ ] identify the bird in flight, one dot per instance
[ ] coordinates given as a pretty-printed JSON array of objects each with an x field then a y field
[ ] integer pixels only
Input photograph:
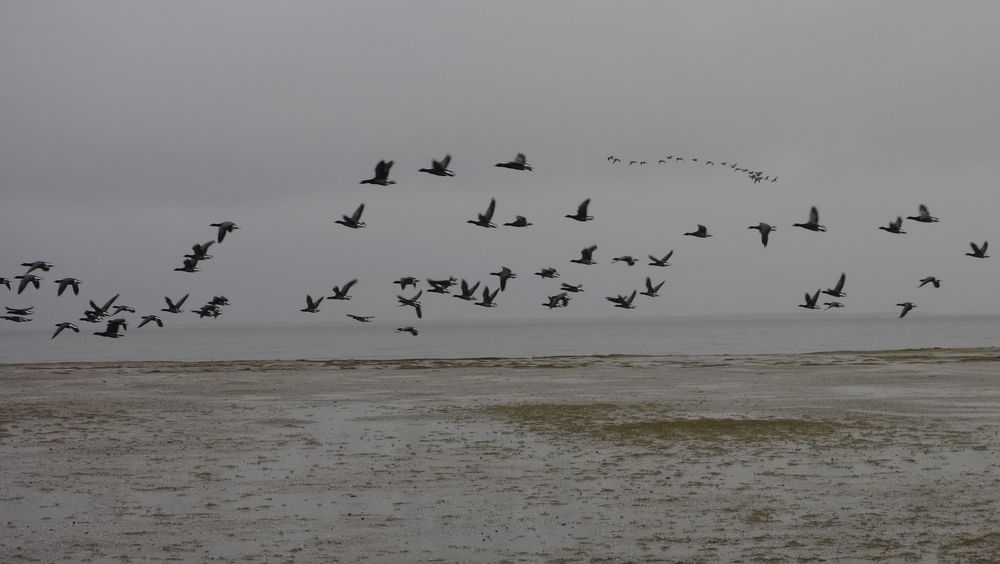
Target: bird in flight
[
  {"x": 895, "y": 226},
  {"x": 813, "y": 223},
  {"x": 485, "y": 219},
  {"x": 224, "y": 227},
  {"x": 811, "y": 301},
  {"x": 586, "y": 256},
  {"x": 581, "y": 212},
  {"x": 838, "y": 290},
  {"x": 354, "y": 220},
  {"x": 312, "y": 306},
  {"x": 765, "y": 230},
  {"x": 439, "y": 168},
  {"x": 174, "y": 307},
  {"x": 381, "y": 174},
  {"x": 361, "y": 318},
  {"x": 930, "y": 280},
  {"x": 65, "y": 325},
  {"x": 68, "y": 283},
  {"x": 661, "y": 262},
  {"x": 907, "y": 306},
  {"x": 651, "y": 290},
  {"x": 519, "y": 163},
  {"x": 701, "y": 232},
  {"x": 340, "y": 293},
  {"x": 977, "y": 252},
  {"x": 924, "y": 216},
  {"x": 412, "y": 302}
]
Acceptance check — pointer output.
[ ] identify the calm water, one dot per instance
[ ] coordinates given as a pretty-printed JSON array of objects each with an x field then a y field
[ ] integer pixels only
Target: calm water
[{"x": 698, "y": 336}]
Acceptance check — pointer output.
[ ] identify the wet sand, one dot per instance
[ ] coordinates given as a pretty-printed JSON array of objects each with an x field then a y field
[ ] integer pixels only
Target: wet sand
[{"x": 834, "y": 456}]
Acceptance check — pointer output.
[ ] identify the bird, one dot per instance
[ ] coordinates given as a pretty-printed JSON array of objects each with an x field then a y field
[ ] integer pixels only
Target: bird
[
  {"x": 5, "y": 282},
  {"x": 907, "y": 306},
  {"x": 65, "y": 325},
  {"x": 581, "y": 212},
  {"x": 838, "y": 290},
  {"x": 102, "y": 311},
  {"x": 468, "y": 292},
  {"x": 200, "y": 251},
  {"x": 412, "y": 302},
  {"x": 405, "y": 281},
  {"x": 381, "y": 174},
  {"x": 484, "y": 219},
  {"x": 547, "y": 272},
  {"x": 651, "y": 290},
  {"x": 623, "y": 302},
  {"x": 354, "y": 220},
  {"x": 661, "y": 262},
  {"x": 20, "y": 311},
  {"x": 224, "y": 227},
  {"x": 151, "y": 319},
  {"x": 408, "y": 329},
  {"x": 833, "y": 305},
  {"x": 505, "y": 274},
  {"x": 813, "y": 223},
  {"x": 811, "y": 301},
  {"x": 586, "y": 256},
  {"x": 627, "y": 259},
  {"x": 930, "y": 280},
  {"x": 15, "y": 318},
  {"x": 68, "y": 283},
  {"x": 519, "y": 163},
  {"x": 701, "y": 232},
  {"x": 208, "y": 310},
  {"x": 174, "y": 307},
  {"x": 311, "y": 305},
  {"x": 190, "y": 265},
  {"x": 442, "y": 286},
  {"x": 340, "y": 293},
  {"x": 519, "y": 221},
  {"x": 439, "y": 168},
  {"x": 121, "y": 308},
  {"x": 575, "y": 288},
  {"x": 559, "y": 300},
  {"x": 488, "y": 298},
  {"x": 112, "y": 329},
  {"x": 765, "y": 230},
  {"x": 977, "y": 252},
  {"x": 924, "y": 216},
  {"x": 27, "y": 279},
  {"x": 361, "y": 318},
  {"x": 37, "y": 265},
  {"x": 895, "y": 226}
]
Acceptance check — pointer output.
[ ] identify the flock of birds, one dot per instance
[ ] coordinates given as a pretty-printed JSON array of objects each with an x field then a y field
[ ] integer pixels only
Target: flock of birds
[
  {"x": 757, "y": 176},
  {"x": 111, "y": 314}
]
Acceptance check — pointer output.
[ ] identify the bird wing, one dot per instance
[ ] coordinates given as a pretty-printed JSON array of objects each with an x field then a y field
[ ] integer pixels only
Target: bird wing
[
  {"x": 985, "y": 244},
  {"x": 445, "y": 161},
  {"x": 489, "y": 211},
  {"x": 347, "y": 287},
  {"x": 840, "y": 283},
  {"x": 898, "y": 223},
  {"x": 357, "y": 213},
  {"x": 649, "y": 285},
  {"x": 519, "y": 159},
  {"x": 764, "y": 234},
  {"x": 581, "y": 210},
  {"x": 813, "y": 215},
  {"x": 59, "y": 330},
  {"x": 420, "y": 314},
  {"x": 381, "y": 170},
  {"x": 111, "y": 301},
  {"x": 658, "y": 286}
]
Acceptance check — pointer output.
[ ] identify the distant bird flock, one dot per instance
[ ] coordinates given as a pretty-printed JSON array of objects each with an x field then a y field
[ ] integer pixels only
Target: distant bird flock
[{"x": 115, "y": 324}]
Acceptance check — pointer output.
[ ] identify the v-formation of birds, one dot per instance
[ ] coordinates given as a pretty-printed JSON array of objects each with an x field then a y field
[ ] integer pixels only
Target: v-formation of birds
[{"x": 468, "y": 291}]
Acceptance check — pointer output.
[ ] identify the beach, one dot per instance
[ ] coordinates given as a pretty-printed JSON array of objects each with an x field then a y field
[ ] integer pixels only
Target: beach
[{"x": 876, "y": 455}]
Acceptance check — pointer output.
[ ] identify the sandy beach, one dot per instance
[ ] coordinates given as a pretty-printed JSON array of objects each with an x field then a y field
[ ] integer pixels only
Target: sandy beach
[{"x": 833, "y": 456}]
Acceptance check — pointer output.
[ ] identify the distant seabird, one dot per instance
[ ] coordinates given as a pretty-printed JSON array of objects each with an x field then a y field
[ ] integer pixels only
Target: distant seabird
[
  {"x": 151, "y": 319},
  {"x": 547, "y": 272},
  {"x": 811, "y": 301},
  {"x": 519, "y": 163},
  {"x": 505, "y": 274},
  {"x": 930, "y": 280},
  {"x": 813, "y": 223},
  {"x": 627, "y": 259},
  {"x": 408, "y": 329},
  {"x": 575, "y": 288},
  {"x": 37, "y": 265},
  {"x": 468, "y": 292},
  {"x": 661, "y": 262},
  {"x": 441, "y": 286},
  {"x": 68, "y": 283},
  {"x": 312, "y": 306},
  {"x": 354, "y": 220},
  {"x": 361, "y": 318},
  {"x": 488, "y": 298},
  {"x": 224, "y": 227},
  {"x": 651, "y": 290},
  {"x": 895, "y": 226},
  {"x": 485, "y": 219},
  {"x": 406, "y": 281},
  {"x": 27, "y": 279},
  {"x": 701, "y": 232},
  {"x": 381, "y": 174},
  {"x": 412, "y": 302},
  {"x": 174, "y": 307},
  {"x": 907, "y": 306},
  {"x": 977, "y": 252},
  {"x": 519, "y": 221},
  {"x": 838, "y": 290},
  {"x": 190, "y": 265},
  {"x": 586, "y": 256},
  {"x": 439, "y": 168},
  {"x": 581, "y": 212},
  {"x": 924, "y": 216},
  {"x": 65, "y": 325},
  {"x": 765, "y": 230},
  {"x": 340, "y": 293}
]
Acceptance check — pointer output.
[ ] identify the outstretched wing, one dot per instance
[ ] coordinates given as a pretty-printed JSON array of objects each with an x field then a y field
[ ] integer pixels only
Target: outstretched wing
[
  {"x": 357, "y": 213},
  {"x": 519, "y": 159},
  {"x": 489, "y": 211},
  {"x": 347, "y": 287},
  {"x": 581, "y": 210},
  {"x": 445, "y": 161},
  {"x": 813, "y": 215},
  {"x": 840, "y": 283}
]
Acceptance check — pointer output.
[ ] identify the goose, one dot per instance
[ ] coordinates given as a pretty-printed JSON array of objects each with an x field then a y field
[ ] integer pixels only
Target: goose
[
  {"x": 174, "y": 307},
  {"x": 20, "y": 311},
  {"x": 208, "y": 310},
  {"x": 90, "y": 317},
  {"x": 361, "y": 318},
  {"x": 442, "y": 286},
  {"x": 412, "y": 302},
  {"x": 16, "y": 318},
  {"x": 27, "y": 279},
  {"x": 924, "y": 216},
  {"x": 484, "y": 219},
  {"x": 65, "y": 325},
  {"x": 146, "y": 319},
  {"x": 765, "y": 230},
  {"x": 468, "y": 292},
  {"x": 977, "y": 252},
  {"x": 37, "y": 265},
  {"x": 312, "y": 306},
  {"x": 68, "y": 283},
  {"x": 694, "y": 160},
  {"x": 219, "y": 301},
  {"x": 408, "y": 329},
  {"x": 112, "y": 330},
  {"x": 586, "y": 256},
  {"x": 627, "y": 259},
  {"x": 581, "y": 212},
  {"x": 505, "y": 274},
  {"x": 575, "y": 288},
  {"x": 519, "y": 221},
  {"x": 488, "y": 298},
  {"x": 661, "y": 262},
  {"x": 651, "y": 290},
  {"x": 811, "y": 301},
  {"x": 102, "y": 311},
  {"x": 559, "y": 300},
  {"x": 907, "y": 306},
  {"x": 340, "y": 293},
  {"x": 354, "y": 221},
  {"x": 547, "y": 272},
  {"x": 200, "y": 251},
  {"x": 895, "y": 226},
  {"x": 813, "y": 223},
  {"x": 930, "y": 280},
  {"x": 381, "y": 174},
  {"x": 439, "y": 168},
  {"x": 838, "y": 290},
  {"x": 190, "y": 265},
  {"x": 5, "y": 282},
  {"x": 833, "y": 305},
  {"x": 224, "y": 227},
  {"x": 405, "y": 281},
  {"x": 623, "y": 302},
  {"x": 121, "y": 308},
  {"x": 701, "y": 232},
  {"x": 519, "y": 163}
]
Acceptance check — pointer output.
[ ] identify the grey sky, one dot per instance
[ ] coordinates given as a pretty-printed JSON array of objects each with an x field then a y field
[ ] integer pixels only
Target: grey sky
[{"x": 126, "y": 128}]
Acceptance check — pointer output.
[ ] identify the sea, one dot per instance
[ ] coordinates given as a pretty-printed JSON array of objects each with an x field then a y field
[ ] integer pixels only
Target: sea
[{"x": 505, "y": 339}]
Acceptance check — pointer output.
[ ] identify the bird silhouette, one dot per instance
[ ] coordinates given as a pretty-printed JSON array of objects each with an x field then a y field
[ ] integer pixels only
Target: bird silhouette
[
  {"x": 381, "y": 177},
  {"x": 977, "y": 252},
  {"x": 224, "y": 227},
  {"x": 813, "y": 223},
  {"x": 485, "y": 219},
  {"x": 439, "y": 168},
  {"x": 924, "y": 216},
  {"x": 174, "y": 307},
  {"x": 701, "y": 232},
  {"x": 26, "y": 279},
  {"x": 406, "y": 281},
  {"x": 575, "y": 288},
  {"x": 408, "y": 329},
  {"x": 838, "y": 290},
  {"x": 651, "y": 290},
  {"x": 519, "y": 163},
  {"x": 340, "y": 293},
  {"x": 930, "y": 280},
  {"x": 488, "y": 298},
  {"x": 907, "y": 306},
  {"x": 586, "y": 256},
  {"x": 661, "y": 262},
  {"x": 354, "y": 221},
  {"x": 468, "y": 292},
  {"x": 151, "y": 319},
  {"x": 581, "y": 212},
  {"x": 312, "y": 306},
  {"x": 361, "y": 318},
  {"x": 37, "y": 265},
  {"x": 65, "y": 325},
  {"x": 811, "y": 301},
  {"x": 505, "y": 274},
  {"x": 68, "y": 283},
  {"x": 519, "y": 221},
  {"x": 412, "y": 302},
  {"x": 547, "y": 273},
  {"x": 765, "y": 231},
  {"x": 894, "y": 226}
]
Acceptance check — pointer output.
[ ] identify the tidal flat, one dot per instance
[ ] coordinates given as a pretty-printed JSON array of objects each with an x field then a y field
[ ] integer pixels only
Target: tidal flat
[{"x": 884, "y": 455}]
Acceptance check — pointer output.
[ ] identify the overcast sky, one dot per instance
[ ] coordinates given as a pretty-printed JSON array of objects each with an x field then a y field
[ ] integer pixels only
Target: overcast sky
[{"x": 126, "y": 128}]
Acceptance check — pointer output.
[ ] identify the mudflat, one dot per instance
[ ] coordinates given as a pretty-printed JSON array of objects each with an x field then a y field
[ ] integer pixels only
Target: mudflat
[{"x": 833, "y": 456}]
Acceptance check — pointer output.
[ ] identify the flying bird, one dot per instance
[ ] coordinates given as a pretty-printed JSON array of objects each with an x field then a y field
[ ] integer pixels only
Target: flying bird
[
  {"x": 27, "y": 279},
  {"x": 813, "y": 223},
  {"x": 488, "y": 298},
  {"x": 586, "y": 256},
  {"x": 190, "y": 265},
  {"x": 412, "y": 302},
  {"x": 312, "y": 306},
  {"x": 361, "y": 318},
  {"x": 354, "y": 221},
  {"x": 408, "y": 329},
  {"x": 519, "y": 163},
  {"x": 924, "y": 216},
  {"x": 833, "y": 305},
  {"x": 224, "y": 227},
  {"x": 439, "y": 168},
  {"x": 559, "y": 300},
  {"x": 661, "y": 262},
  {"x": 581, "y": 212},
  {"x": 381, "y": 174},
  {"x": 468, "y": 292},
  {"x": 441, "y": 286},
  {"x": 623, "y": 302},
  {"x": 811, "y": 301},
  {"x": 20, "y": 311},
  {"x": 68, "y": 283},
  {"x": 200, "y": 251},
  {"x": 701, "y": 232},
  {"x": 151, "y": 319},
  {"x": 112, "y": 329},
  {"x": 37, "y": 265},
  {"x": 340, "y": 293},
  {"x": 405, "y": 281},
  {"x": 485, "y": 219},
  {"x": 907, "y": 306},
  {"x": 575, "y": 288},
  {"x": 765, "y": 230},
  {"x": 519, "y": 221},
  {"x": 547, "y": 273},
  {"x": 627, "y": 259},
  {"x": 977, "y": 252},
  {"x": 505, "y": 274},
  {"x": 65, "y": 325},
  {"x": 838, "y": 290},
  {"x": 651, "y": 290},
  {"x": 174, "y": 307},
  {"x": 895, "y": 226},
  {"x": 930, "y": 280}
]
